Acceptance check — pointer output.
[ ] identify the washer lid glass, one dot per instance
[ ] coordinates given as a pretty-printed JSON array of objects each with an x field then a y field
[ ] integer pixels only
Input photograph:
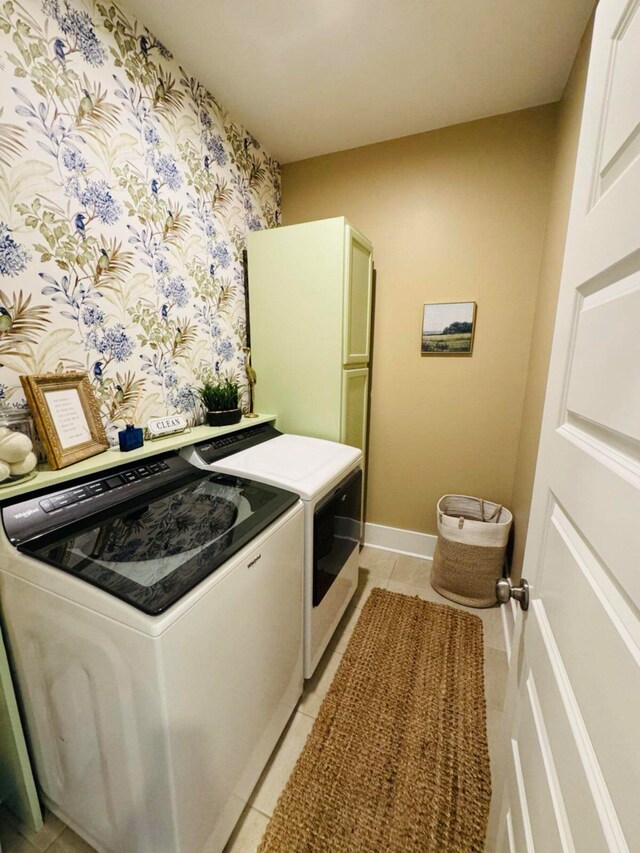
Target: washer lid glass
[{"x": 155, "y": 551}]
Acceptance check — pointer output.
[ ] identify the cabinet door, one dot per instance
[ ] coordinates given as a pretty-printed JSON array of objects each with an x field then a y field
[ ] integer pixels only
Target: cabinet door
[
  {"x": 355, "y": 407},
  {"x": 357, "y": 298}
]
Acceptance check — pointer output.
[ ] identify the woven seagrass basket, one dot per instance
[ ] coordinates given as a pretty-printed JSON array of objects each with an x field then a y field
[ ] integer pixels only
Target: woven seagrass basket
[{"x": 469, "y": 555}]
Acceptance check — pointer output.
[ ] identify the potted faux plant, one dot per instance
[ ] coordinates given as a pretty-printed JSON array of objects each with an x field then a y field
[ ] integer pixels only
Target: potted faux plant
[{"x": 220, "y": 400}]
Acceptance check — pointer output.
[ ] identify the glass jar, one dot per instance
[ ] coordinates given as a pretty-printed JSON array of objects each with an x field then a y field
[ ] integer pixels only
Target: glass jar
[{"x": 20, "y": 420}]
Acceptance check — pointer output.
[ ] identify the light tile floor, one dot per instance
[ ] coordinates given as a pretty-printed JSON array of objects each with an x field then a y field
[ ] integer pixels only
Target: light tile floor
[{"x": 396, "y": 572}]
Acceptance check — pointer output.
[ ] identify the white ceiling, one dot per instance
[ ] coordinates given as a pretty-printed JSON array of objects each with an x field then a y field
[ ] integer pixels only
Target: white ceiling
[{"x": 307, "y": 77}]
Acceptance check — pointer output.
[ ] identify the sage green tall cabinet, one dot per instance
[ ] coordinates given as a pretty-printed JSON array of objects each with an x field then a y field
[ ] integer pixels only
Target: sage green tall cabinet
[{"x": 310, "y": 292}]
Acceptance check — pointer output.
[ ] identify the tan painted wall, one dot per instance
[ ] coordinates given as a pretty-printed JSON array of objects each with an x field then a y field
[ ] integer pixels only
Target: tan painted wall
[
  {"x": 569, "y": 116},
  {"x": 455, "y": 214}
]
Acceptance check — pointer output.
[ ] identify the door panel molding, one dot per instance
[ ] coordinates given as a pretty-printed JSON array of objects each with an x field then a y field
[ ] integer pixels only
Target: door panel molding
[
  {"x": 557, "y": 802},
  {"x": 603, "y": 501},
  {"x": 593, "y": 772},
  {"x": 563, "y": 742},
  {"x": 618, "y": 451},
  {"x": 510, "y": 836},
  {"x": 619, "y": 143},
  {"x": 524, "y": 820},
  {"x": 610, "y": 595}
]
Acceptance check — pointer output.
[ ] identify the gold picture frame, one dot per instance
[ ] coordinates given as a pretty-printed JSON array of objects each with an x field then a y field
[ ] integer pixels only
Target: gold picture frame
[
  {"x": 448, "y": 328},
  {"x": 66, "y": 415}
]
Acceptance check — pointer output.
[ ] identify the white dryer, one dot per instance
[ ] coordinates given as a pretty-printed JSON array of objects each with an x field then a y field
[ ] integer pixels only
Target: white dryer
[{"x": 328, "y": 478}]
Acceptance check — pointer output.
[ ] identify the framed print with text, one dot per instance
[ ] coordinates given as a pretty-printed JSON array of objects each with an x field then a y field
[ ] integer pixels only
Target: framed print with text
[{"x": 66, "y": 416}]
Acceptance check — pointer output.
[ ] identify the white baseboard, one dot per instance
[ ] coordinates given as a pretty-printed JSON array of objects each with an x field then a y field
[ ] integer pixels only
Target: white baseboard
[{"x": 403, "y": 541}]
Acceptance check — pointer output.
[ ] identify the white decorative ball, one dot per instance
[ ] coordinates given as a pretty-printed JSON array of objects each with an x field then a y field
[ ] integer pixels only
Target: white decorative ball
[
  {"x": 14, "y": 447},
  {"x": 24, "y": 467},
  {"x": 5, "y": 471}
]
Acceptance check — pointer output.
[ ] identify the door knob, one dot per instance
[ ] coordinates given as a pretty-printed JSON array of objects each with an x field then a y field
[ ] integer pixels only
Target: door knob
[{"x": 504, "y": 591}]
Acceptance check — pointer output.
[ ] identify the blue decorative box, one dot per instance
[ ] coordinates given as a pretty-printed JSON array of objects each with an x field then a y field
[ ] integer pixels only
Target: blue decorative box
[{"x": 131, "y": 437}]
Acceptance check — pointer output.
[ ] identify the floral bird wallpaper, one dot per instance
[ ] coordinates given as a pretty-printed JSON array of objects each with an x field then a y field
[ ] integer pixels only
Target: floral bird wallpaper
[{"x": 126, "y": 194}]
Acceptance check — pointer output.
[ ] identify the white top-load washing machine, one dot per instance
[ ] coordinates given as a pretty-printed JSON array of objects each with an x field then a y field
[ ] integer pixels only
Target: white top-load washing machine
[
  {"x": 154, "y": 616},
  {"x": 328, "y": 478}
]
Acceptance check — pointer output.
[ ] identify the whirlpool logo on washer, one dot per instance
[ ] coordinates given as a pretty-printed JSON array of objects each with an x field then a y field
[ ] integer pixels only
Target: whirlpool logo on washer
[{"x": 27, "y": 512}]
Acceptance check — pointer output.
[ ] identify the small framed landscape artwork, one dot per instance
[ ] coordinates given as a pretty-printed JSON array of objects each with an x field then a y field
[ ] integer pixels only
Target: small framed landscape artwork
[{"x": 448, "y": 328}]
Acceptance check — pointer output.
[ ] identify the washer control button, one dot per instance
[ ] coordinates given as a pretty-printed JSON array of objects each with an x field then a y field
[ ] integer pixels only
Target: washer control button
[
  {"x": 98, "y": 488},
  {"x": 79, "y": 494}
]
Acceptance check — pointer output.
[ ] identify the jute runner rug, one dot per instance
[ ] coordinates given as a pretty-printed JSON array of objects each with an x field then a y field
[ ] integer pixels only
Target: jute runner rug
[{"x": 397, "y": 759}]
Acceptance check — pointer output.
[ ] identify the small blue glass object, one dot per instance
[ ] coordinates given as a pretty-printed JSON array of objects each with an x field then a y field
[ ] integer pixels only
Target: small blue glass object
[{"x": 130, "y": 438}]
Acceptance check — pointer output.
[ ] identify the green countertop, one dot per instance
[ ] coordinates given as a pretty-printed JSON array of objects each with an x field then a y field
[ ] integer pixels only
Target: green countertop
[{"x": 114, "y": 456}]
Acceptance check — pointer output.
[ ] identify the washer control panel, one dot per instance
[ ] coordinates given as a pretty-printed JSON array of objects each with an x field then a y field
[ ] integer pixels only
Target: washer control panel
[
  {"x": 224, "y": 445},
  {"x": 101, "y": 487},
  {"x": 43, "y": 512}
]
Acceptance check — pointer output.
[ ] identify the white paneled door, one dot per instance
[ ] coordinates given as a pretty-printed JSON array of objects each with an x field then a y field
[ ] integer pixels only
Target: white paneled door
[{"x": 572, "y": 720}]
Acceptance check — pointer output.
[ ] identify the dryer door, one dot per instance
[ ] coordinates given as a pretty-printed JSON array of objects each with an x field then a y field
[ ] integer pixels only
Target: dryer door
[{"x": 337, "y": 525}]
